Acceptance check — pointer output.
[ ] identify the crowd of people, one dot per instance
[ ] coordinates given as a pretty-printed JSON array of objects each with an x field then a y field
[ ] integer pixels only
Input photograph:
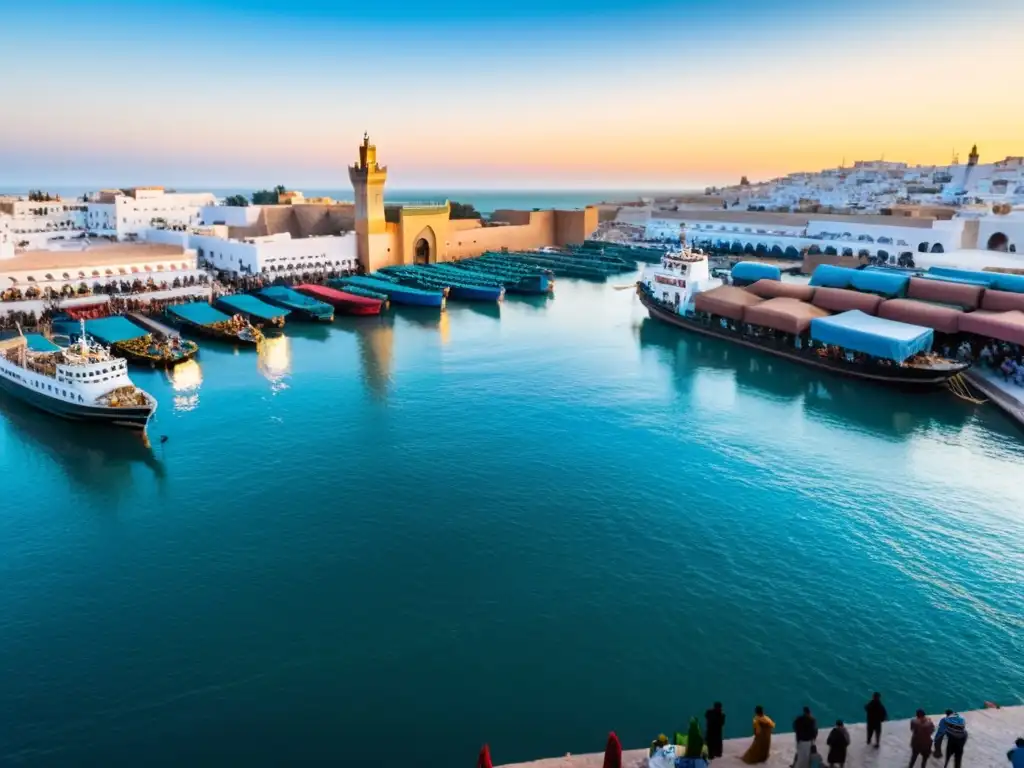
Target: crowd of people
[
  {"x": 1000, "y": 356},
  {"x": 947, "y": 741}
]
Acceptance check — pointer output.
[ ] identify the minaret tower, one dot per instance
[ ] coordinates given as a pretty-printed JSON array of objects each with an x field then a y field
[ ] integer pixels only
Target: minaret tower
[{"x": 368, "y": 183}]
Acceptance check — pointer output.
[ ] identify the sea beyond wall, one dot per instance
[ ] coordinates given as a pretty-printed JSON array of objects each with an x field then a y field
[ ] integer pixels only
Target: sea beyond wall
[{"x": 991, "y": 733}]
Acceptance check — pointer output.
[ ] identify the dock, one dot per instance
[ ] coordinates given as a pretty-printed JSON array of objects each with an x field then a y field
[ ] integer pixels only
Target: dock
[
  {"x": 159, "y": 330},
  {"x": 1005, "y": 395},
  {"x": 991, "y": 734}
]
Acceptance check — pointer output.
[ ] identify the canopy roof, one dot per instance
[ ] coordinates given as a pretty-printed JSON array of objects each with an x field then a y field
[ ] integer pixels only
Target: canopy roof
[
  {"x": 749, "y": 271},
  {"x": 250, "y": 305},
  {"x": 110, "y": 330},
  {"x": 783, "y": 314},
  {"x": 875, "y": 336},
  {"x": 1001, "y": 280},
  {"x": 198, "y": 312},
  {"x": 1005, "y": 326},
  {"x": 832, "y": 276}
]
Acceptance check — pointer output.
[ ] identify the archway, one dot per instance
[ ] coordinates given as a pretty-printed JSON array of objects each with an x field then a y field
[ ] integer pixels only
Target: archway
[
  {"x": 937, "y": 248},
  {"x": 424, "y": 247},
  {"x": 999, "y": 242},
  {"x": 922, "y": 247}
]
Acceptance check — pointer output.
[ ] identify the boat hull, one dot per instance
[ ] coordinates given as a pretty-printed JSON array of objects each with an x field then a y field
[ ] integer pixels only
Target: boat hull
[
  {"x": 154, "y": 362},
  {"x": 298, "y": 311},
  {"x": 898, "y": 376},
  {"x": 135, "y": 418},
  {"x": 209, "y": 332}
]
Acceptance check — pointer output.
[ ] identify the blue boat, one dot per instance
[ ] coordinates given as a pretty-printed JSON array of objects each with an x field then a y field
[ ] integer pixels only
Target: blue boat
[
  {"x": 200, "y": 317},
  {"x": 459, "y": 289},
  {"x": 356, "y": 290},
  {"x": 258, "y": 312},
  {"x": 303, "y": 307},
  {"x": 513, "y": 282},
  {"x": 396, "y": 292},
  {"x": 126, "y": 339}
]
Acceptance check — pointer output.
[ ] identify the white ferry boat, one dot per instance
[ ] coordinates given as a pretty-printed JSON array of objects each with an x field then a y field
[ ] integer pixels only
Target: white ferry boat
[
  {"x": 81, "y": 382},
  {"x": 679, "y": 277}
]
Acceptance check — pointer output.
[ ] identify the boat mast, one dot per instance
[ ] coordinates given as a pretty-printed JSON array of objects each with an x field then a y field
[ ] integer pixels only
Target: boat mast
[{"x": 85, "y": 344}]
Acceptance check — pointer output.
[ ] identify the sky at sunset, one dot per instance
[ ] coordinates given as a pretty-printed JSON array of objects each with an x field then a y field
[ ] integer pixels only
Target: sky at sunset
[{"x": 648, "y": 94}]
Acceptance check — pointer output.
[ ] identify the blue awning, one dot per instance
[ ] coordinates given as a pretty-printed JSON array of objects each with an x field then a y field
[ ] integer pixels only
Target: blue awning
[
  {"x": 752, "y": 271},
  {"x": 888, "y": 284},
  {"x": 875, "y": 336},
  {"x": 831, "y": 276},
  {"x": 1001, "y": 281}
]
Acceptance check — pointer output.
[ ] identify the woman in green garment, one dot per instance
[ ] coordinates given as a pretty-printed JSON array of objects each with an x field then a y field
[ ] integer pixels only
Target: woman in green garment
[{"x": 694, "y": 740}]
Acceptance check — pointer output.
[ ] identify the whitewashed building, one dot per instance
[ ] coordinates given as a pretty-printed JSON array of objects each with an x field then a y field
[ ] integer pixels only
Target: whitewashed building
[
  {"x": 126, "y": 214},
  {"x": 268, "y": 255},
  {"x": 33, "y": 223}
]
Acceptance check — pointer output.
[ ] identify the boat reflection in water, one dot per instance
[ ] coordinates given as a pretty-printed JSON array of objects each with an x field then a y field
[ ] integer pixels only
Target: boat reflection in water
[
  {"x": 882, "y": 411},
  {"x": 376, "y": 339},
  {"x": 186, "y": 379},
  {"x": 275, "y": 361},
  {"x": 100, "y": 459}
]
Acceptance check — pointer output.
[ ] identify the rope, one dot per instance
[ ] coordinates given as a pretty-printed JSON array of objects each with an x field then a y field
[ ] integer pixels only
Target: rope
[
  {"x": 958, "y": 386},
  {"x": 629, "y": 287}
]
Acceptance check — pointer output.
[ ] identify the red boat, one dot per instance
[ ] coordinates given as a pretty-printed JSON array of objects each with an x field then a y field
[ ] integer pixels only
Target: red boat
[{"x": 347, "y": 303}]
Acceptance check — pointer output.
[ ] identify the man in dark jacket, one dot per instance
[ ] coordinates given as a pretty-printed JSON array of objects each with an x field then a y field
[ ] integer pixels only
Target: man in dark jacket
[
  {"x": 876, "y": 715},
  {"x": 805, "y": 728},
  {"x": 714, "y": 720}
]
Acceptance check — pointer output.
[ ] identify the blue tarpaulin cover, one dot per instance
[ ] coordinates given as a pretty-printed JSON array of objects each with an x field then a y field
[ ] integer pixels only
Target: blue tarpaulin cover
[
  {"x": 198, "y": 312},
  {"x": 752, "y": 271},
  {"x": 250, "y": 305},
  {"x": 39, "y": 343},
  {"x": 875, "y": 336},
  {"x": 891, "y": 285},
  {"x": 998, "y": 280},
  {"x": 833, "y": 277},
  {"x": 111, "y": 330}
]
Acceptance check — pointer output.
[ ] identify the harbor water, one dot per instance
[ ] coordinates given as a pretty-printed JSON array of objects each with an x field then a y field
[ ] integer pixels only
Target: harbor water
[{"x": 389, "y": 540}]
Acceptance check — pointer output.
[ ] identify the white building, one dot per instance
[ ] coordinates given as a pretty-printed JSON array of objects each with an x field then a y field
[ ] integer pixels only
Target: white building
[
  {"x": 33, "y": 223},
  {"x": 269, "y": 255},
  {"x": 118, "y": 214},
  {"x": 126, "y": 214}
]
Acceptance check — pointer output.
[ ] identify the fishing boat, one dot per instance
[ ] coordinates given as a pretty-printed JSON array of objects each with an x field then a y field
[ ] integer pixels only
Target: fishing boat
[
  {"x": 81, "y": 382},
  {"x": 459, "y": 288},
  {"x": 355, "y": 290},
  {"x": 399, "y": 294},
  {"x": 125, "y": 339},
  {"x": 514, "y": 281},
  {"x": 200, "y": 318},
  {"x": 771, "y": 318},
  {"x": 342, "y": 300},
  {"x": 302, "y": 306},
  {"x": 259, "y": 313}
]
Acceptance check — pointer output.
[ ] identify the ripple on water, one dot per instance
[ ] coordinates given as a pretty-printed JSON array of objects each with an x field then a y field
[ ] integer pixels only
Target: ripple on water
[{"x": 503, "y": 527}]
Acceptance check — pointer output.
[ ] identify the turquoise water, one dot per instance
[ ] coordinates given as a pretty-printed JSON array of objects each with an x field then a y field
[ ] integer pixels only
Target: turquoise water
[{"x": 526, "y": 527}]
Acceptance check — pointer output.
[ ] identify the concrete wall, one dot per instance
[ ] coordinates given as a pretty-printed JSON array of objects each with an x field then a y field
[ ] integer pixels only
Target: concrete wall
[
  {"x": 232, "y": 215},
  {"x": 1012, "y": 226}
]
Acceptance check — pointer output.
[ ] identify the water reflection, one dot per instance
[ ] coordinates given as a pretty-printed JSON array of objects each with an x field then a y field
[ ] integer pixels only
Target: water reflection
[
  {"x": 186, "y": 379},
  {"x": 376, "y": 339},
  {"x": 530, "y": 300},
  {"x": 274, "y": 361},
  {"x": 848, "y": 403},
  {"x": 98, "y": 458}
]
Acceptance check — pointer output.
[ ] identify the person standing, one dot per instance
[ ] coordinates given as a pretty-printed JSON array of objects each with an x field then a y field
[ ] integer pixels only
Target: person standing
[
  {"x": 838, "y": 742},
  {"x": 921, "y": 730},
  {"x": 714, "y": 721},
  {"x": 954, "y": 729},
  {"x": 762, "y": 744},
  {"x": 876, "y": 715},
  {"x": 805, "y": 729}
]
